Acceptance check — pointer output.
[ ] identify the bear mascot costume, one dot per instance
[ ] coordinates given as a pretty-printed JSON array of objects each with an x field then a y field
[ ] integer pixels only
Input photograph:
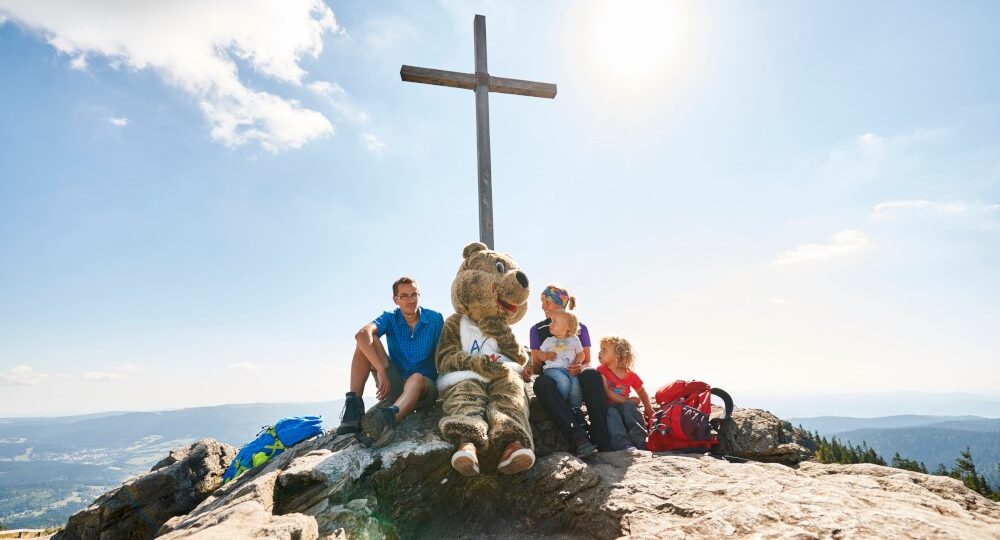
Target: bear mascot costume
[{"x": 479, "y": 364}]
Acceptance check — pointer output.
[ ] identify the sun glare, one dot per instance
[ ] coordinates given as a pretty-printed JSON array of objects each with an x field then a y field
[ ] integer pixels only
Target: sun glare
[{"x": 636, "y": 40}]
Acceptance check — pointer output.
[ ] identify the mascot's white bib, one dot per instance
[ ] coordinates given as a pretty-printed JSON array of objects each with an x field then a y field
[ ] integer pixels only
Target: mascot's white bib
[{"x": 474, "y": 342}]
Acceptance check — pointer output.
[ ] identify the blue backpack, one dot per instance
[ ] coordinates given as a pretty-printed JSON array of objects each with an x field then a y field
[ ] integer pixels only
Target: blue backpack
[{"x": 271, "y": 441}]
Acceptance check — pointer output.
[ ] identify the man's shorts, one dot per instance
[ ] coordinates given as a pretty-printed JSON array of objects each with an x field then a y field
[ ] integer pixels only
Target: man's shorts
[{"x": 396, "y": 389}]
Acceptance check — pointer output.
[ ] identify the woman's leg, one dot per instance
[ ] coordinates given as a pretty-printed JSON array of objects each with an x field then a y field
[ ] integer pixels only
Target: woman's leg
[
  {"x": 592, "y": 387},
  {"x": 557, "y": 408},
  {"x": 575, "y": 395}
]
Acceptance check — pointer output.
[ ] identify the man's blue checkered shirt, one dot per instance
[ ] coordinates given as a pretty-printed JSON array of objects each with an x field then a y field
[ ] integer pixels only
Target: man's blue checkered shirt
[{"x": 411, "y": 352}]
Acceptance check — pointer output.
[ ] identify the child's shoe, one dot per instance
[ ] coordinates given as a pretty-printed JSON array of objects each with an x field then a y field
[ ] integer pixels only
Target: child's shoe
[
  {"x": 637, "y": 435},
  {"x": 350, "y": 416}
]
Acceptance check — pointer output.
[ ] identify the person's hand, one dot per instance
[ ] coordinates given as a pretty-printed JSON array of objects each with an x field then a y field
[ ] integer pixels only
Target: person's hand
[
  {"x": 551, "y": 355},
  {"x": 526, "y": 373},
  {"x": 574, "y": 369},
  {"x": 649, "y": 419},
  {"x": 381, "y": 384}
]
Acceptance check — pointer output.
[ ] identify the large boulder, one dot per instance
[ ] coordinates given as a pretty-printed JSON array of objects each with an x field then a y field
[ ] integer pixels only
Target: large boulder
[
  {"x": 138, "y": 508},
  {"x": 761, "y": 436},
  {"x": 331, "y": 487}
]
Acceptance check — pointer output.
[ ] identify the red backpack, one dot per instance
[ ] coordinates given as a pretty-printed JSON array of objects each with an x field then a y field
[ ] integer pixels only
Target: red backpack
[{"x": 682, "y": 423}]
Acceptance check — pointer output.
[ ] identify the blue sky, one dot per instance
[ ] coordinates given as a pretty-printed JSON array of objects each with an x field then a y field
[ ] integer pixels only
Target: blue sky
[{"x": 201, "y": 203}]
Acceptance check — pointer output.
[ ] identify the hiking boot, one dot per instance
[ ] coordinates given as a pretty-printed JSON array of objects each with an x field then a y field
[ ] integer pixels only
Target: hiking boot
[
  {"x": 583, "y": 446},
  {"x": 350, "y": 416},
  {"x": 378, "y": 427}
]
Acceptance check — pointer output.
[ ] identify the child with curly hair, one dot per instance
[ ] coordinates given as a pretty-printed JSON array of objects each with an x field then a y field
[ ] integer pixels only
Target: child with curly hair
[{"x": 625, "y": 422}]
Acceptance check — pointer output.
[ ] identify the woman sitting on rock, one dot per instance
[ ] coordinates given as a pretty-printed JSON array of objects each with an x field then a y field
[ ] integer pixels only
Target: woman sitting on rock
[{"x": 572, "y": 426}]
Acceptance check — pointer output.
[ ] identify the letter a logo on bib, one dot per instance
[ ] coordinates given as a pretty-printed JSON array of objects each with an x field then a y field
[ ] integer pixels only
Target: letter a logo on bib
[{"x": 475, "y": 347}]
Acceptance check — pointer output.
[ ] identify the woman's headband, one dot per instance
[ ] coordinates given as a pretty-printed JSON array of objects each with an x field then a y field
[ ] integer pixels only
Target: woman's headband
[{"x": 558, "y": 296}]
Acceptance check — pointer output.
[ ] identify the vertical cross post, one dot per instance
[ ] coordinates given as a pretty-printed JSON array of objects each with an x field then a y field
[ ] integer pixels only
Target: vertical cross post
[
  {"x": 482, "y": 83},
  {"x": 483, "y": 134}
]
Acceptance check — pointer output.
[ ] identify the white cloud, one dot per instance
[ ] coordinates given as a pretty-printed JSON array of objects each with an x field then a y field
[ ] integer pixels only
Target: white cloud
[
  {"x": 118, "y": 121},
  {"x": 339, "y": 100},
  {"x": 101, "y": 376},
  {"x": 79, "y": 62},
  {"x": 128, "y": 368},
  {"x": 341, "y": 103},
  {"x": 195, "y": 45},
  {"x": 3, "y": 18},
  {"x": 383, "y": 34},
  {"x": 21, "y": 376},
  {"x": 245, "y": 366},
  {"x": 887, "y": 208},
  {"x": 841, "y": 244},
  {"x": 373, "y": 143}
]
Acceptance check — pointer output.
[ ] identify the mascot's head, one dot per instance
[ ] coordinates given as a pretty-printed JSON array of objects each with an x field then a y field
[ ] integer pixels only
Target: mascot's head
[{"x": 489, "y": 284}]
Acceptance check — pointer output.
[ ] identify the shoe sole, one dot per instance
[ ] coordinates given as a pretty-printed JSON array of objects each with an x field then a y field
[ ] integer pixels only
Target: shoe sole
[
  {"x": 465, "y": 463},
  {"x": 520, "y": 460},
  {"x": 374, "y": 432}
]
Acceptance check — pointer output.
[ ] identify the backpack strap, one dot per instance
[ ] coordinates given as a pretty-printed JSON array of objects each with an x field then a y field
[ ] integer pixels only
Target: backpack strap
[{"x": 727, "y": 401}]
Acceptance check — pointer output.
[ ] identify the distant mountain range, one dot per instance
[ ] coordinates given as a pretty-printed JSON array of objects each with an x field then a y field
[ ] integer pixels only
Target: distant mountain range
[
  {"x": 927, "y": 439},
  {"x": 873, "y": 404},
  {"x": 52, "y": 467}
]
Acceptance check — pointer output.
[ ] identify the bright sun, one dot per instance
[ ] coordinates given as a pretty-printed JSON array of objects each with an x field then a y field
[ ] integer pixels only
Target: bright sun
[{"x": 636, "y": 40}]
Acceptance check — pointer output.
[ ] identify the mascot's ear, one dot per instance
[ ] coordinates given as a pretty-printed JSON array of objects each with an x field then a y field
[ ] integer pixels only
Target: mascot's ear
[{"x": 472, "y": 248}]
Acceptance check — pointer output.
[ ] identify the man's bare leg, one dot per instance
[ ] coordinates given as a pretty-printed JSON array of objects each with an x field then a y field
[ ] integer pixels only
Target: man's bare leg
[
  {"x": 361, "y": 367},
  {"x": 414, "y": 389},
  {"x": 354, "y": 406}
]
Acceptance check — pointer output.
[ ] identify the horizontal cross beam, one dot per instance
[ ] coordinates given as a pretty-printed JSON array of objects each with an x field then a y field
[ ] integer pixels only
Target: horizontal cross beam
[{"x": 467, "y": 81}]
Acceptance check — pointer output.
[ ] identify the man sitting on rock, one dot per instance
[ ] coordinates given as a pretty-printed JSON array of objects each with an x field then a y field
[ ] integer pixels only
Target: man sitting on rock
[{"x": 405, "y": 378}]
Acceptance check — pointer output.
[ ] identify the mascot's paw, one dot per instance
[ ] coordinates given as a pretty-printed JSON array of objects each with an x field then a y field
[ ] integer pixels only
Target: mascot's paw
[
  {"x": 490, "y": 367},
  {"x": 517, "y": 459},
  {"x": 464, "y": 460}
]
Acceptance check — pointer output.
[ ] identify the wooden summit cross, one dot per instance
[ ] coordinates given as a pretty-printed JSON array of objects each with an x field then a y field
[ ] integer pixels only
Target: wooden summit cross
[{"x": 483, "y": 83}]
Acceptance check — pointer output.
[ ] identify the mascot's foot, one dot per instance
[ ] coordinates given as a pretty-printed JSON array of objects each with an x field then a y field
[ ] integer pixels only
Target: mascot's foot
[
  {"x": 517, "y": 459},
  {"x": 464, "y": 460}
]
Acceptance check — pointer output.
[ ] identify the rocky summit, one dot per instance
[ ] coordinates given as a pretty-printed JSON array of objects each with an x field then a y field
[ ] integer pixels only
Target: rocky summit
[{"x": 331, "y": 487}]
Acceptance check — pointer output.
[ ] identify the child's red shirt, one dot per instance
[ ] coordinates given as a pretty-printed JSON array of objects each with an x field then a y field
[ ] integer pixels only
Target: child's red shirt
[{"x": 622, "y": 386}]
